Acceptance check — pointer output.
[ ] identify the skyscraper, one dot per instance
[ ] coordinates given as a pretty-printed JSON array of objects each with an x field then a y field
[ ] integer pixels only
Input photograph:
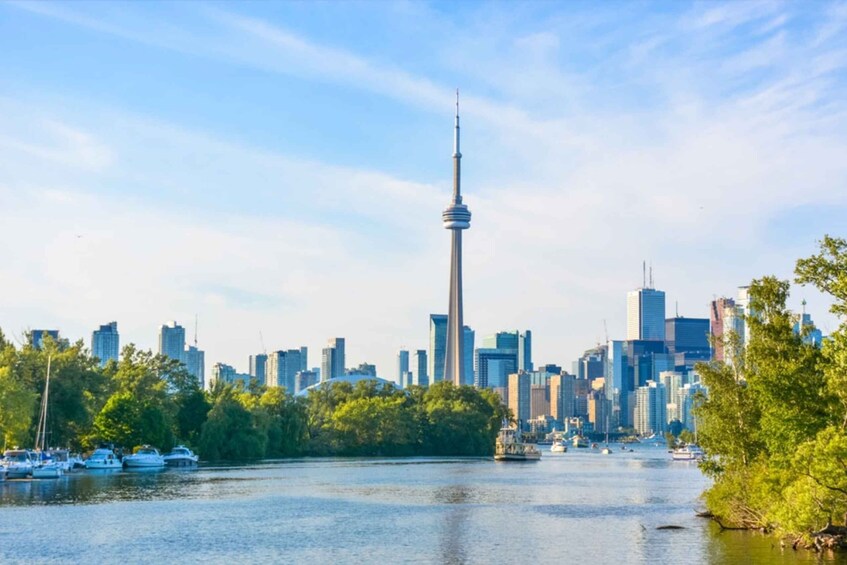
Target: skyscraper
[
  {"x": 172, "y": 341},
  {"x": 332, "y": 361},
  {"x": 520, "y": 389},
  {"x": 37, "y": 336},
  {"x": 718, "y": 323},
  {"x": 645, "y": 314},
  {"x": 419, "y": 365},
  {"x": 469, "y": 349},
  {"x": 257, "y": 367},
  {"x": 456, "y": 218},
  {"x": 437, "y": 346},
  {"x": 195, "y": 363},
  {"x": 520, "y": 342},
  {"x": 493, "y": 366},
  {"x": 402, "y": 366},
  {"x": 106, "y": 343}
]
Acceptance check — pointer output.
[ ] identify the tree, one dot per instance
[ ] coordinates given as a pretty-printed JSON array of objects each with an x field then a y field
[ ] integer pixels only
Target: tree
[
  {"x": 17, "y": 405},
  {"x": 231, "y": 433}
]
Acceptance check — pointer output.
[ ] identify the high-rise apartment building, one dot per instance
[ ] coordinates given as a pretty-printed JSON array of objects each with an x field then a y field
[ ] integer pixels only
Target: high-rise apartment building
[
  {"x": 520, "y": 342},
  {"x": 717, "y": 321},
  {"x": 257, "y": 367},
  {"x": 437, "y": 346},
  {"x": 195, "y": 364},
  {"x": 332, "y": 362},
  {"x": 106, "y": 343},
  {"x": 562, "y": 394},
  {"x": 469, "y": 354},
  {"x": 37, "y": 336},
  {"x": 281, "y": 369},
  {"x": 651, "y": 409},
  {"x": 402, "y": 365},
  {"x": 645, "y": 314},
  {"x": 419, "y": 366},
  {"x": 172, "y": 341}
]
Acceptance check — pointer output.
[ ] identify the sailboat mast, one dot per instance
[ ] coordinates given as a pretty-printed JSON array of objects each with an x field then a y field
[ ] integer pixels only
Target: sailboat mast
[{"x": 41, "y": 431}]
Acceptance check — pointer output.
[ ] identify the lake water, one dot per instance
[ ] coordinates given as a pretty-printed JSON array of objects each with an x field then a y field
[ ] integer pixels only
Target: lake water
[{"x": 578, "y": 507}]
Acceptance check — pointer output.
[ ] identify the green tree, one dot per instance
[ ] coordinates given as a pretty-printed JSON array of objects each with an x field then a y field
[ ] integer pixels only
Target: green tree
[
  {"x": 230, "y": 433},
  {"x": 17, "y": 405}
]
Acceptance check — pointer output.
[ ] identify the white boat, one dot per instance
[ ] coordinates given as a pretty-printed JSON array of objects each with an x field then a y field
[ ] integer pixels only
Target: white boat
[
  {"x": 145, "y": 458},
  {"x": 47, "y": 470},
  {"x": 181, "y": 456},
  {"x": 558, "y": 447},
  {"x": 509, "y": 446},
  {"x": 61, "y": 457},
  {"x": 579, "y": 441},
  {"x": 606, "y": 450},
  {"x": 18, "y": 463},
  {"x": 687, "y": 453},
  {"x": 103, "y": 458}
]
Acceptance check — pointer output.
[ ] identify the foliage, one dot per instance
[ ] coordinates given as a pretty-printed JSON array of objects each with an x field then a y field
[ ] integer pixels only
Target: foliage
[{"x": 774, "y": 425}]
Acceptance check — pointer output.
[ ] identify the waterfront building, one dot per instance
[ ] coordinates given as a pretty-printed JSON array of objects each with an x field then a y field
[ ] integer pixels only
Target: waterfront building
[
  {"x": 195, "y": 364},
  {"x": 645, "y": 314},
  {"x": 493, "y": 366},
  {"x": 651, "y": 409},
  {"x": 437, "y": 346},
  {"x": 419, "y": 365},
  {"x": 519, "y": 391},
  {"x": 172, "y": 341},
  {"x": 332, "y": 365},
  {"x": 106, "y": 343},
  {"x": 456, "y": 218},
  {"x": 257, "y": 367},
  {"x": 37, "y": 336},
  {"x": 402, "y": 365}
]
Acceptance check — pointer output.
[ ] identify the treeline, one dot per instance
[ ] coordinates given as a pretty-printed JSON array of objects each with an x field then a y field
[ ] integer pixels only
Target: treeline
[
  {"x": 151, "y": 399},
  {"x": 774, "y": 425}
]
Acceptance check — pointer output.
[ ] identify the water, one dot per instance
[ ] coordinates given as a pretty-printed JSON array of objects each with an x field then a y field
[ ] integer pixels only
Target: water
[{"x": 579, "y": 507}]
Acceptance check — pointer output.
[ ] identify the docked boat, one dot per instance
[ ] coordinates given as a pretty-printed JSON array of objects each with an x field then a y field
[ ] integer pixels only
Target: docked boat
[
  {"x": 45, "y": 466},
  {"x": 145, "y": 458},
  {"x": 687, "y": 453},
  {"x": 509, "y": 447},
  {"x": 579, "y": 441},
  {"x": 103, "y": 458},
  {"x": 18, "y": 463},
  {"x": 558, "y": 447},
  {"x": 181, "y": 456}
]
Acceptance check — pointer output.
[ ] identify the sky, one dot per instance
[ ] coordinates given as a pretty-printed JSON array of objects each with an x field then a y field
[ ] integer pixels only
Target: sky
[{"x": 278, "y": 170}]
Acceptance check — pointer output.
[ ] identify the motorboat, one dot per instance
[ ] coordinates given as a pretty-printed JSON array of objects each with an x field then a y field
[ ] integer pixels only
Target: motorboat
[
  {"x": 18, "y": 463},
  {"x": 145, "y": 458},
  {"x": 509, "y": 447},
  {"x": 558, "y": 447},
  {"x": 181, "y": 456},
  {"x": 606, "y": 450},
  {"x": 48, "y": 470},
  {"x": 103, "y": 458},
  {"x": 61, "y": 457},
  {"x": 580, "y": 441},
  {"x": 690, "y": 452}
]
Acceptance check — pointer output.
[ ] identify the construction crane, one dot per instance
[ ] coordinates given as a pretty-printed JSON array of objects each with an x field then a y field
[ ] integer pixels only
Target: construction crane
[{"x": 262, "y": 341}]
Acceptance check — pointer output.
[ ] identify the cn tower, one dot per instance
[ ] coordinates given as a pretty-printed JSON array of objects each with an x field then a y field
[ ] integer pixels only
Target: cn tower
[{"x": 456, "y": 218}]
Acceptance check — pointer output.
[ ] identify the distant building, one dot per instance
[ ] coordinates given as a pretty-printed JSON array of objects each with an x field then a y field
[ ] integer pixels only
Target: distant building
[
  {"x": 493, "y": 366},
  {"x": 304, "y": 379},
  {"x": 599, "y": 412},
  {"x": 304, "y": 358},
  {"x": 172, "y": 341},
  {"x": 592, "y": 364},
  {"x": 806, "y": 329},
  {"x": 257, "y": 367},
  {"x": 519, "y": 391},
  {"x": 402, "y": 365},
  {"x": 651, "y": 409},
  {"x": 106, "y": 343},
  {"x": 437, "y": 346},
  {"x": 562, "y": 396},
  {"x": 222, "y": 372},
  {"x": 469, "y": 355},
  {"x": 362, "y": 369},
  {"x": 281, "y": 369},
  {"x": 520, "y": 342},
  {"x": 717, "y": 320},
  {"x": 333, "y": 361},
  {"x": 419, "y": 366},
  {"x": 645, "y": 314},
  {"x": 37, "y": 336},
  {"x": 195, "y": 364}
]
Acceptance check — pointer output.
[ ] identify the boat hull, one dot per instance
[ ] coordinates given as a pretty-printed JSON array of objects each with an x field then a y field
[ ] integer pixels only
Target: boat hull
[
  {"x": 18, "y": 472},
  {"x": 136, "y": 464},
  {"x": 180, "y": 461},
  {"x": 518, "y": 457},
  {"x": 103, "y": 465},
  {"x": 51, "y": 471}
]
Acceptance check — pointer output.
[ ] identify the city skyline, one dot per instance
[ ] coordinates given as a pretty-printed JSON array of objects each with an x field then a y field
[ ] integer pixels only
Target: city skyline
[{"x": 135, "y": 211}]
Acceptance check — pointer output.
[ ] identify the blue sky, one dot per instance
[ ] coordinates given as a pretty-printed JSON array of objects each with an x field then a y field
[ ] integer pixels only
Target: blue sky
[{"x": 281, "y": 167}]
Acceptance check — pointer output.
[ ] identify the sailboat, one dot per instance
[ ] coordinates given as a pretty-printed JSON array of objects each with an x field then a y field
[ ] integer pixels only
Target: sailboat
[
  {"x": 606, "y": 450},
  {"x": 47, "y": 469}
]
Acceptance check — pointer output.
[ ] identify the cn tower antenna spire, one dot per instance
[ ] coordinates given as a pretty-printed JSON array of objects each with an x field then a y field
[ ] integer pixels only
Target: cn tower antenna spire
[{"x": 456, "y": 218}]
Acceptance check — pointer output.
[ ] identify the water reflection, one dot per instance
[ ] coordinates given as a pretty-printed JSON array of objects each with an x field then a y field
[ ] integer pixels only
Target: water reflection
[{"x": 452, "y": 539}]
